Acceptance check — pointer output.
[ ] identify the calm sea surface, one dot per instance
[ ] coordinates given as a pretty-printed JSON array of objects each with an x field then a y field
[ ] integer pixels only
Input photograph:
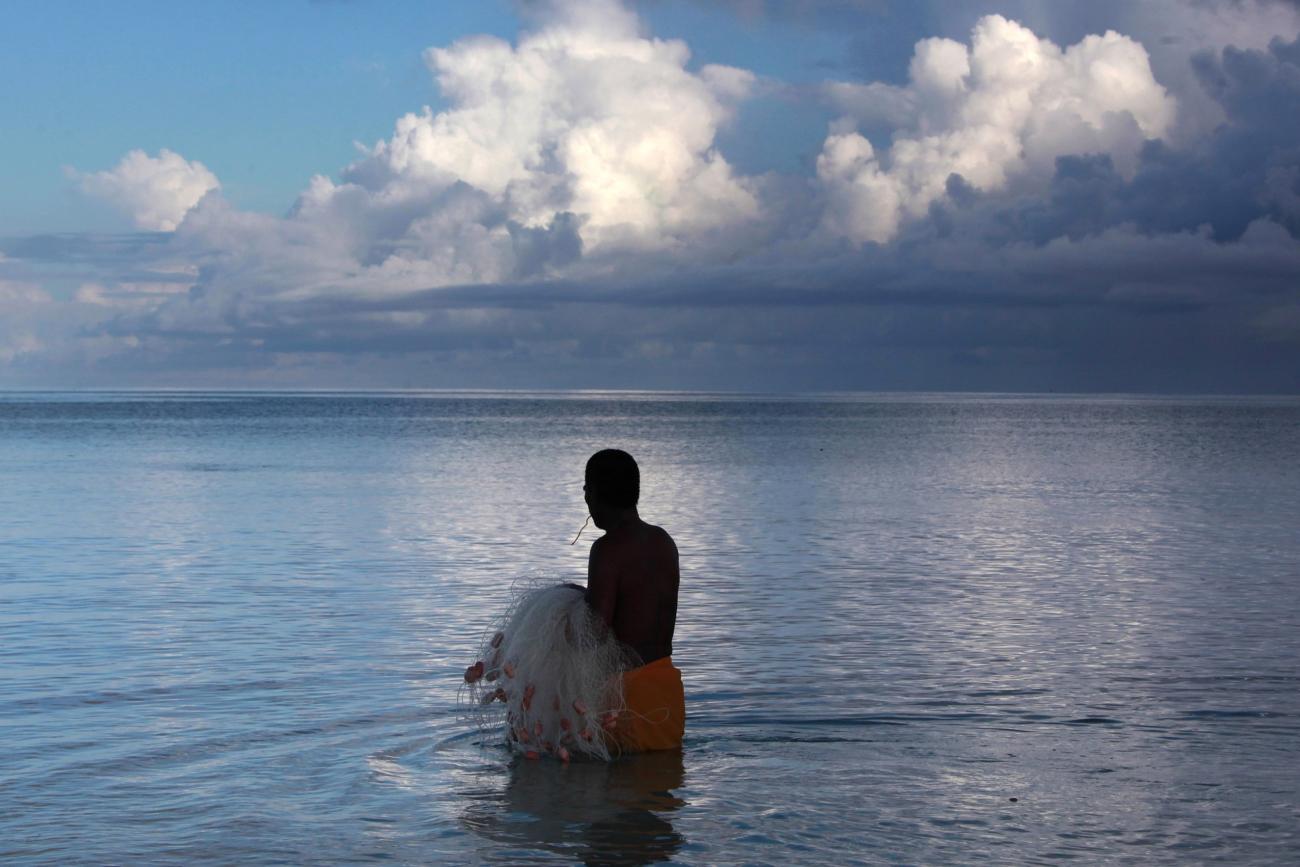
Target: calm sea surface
[{"x": 925, "y": 629}]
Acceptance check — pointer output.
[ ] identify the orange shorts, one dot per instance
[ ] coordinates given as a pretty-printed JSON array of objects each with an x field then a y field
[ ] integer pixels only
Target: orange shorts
[{"x": 656, "y": 708}]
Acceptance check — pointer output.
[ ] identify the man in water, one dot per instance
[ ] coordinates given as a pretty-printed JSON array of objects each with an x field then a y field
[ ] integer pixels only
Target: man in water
[{"x": 632, "y": 580}]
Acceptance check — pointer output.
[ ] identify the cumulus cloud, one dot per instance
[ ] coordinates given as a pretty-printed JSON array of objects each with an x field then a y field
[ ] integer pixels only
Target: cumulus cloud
[
  {"x": 157, "y": 192},
  {"x": 1008, "y": 105},
  {"x": 1172, "y": 31},
  {"x": 1246, "y": 169},
  {"x": 569, "y": 219},
  {"x": 585, "y": 121},
  {"x": 583, "y": 142}
]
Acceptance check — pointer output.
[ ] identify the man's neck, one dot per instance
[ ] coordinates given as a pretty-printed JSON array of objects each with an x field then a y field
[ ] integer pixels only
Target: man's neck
[{"x": 623, "y": 519}]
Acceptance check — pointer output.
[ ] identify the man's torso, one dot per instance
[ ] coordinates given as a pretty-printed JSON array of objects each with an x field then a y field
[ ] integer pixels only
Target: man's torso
[{"x": 640, "y": 562}]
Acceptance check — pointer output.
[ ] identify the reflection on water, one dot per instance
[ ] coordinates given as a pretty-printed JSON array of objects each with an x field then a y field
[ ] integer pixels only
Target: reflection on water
[
  {"x": 913, "y": 628},
  {"x": 588, "y": 812}
]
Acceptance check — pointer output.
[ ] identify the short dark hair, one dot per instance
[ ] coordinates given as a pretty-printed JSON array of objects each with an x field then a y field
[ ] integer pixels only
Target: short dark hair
[{"x": 613, "y": 476}]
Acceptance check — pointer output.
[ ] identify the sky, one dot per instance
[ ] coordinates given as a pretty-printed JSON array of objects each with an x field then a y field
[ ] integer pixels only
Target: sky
[{"x": 748, "y": 195}]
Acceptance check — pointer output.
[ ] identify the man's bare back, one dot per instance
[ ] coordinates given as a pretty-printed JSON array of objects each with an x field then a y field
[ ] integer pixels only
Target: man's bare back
[
  {"x": 632, "y": 575},
  {"x": 632, "y": 580}
]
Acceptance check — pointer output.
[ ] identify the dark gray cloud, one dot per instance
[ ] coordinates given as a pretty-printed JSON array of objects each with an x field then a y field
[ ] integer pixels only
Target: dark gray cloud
[{"x": 1116, "y": 311}]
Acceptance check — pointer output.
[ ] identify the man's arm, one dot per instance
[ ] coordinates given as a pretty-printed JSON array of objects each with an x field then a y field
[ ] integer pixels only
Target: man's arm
[{"x": 602, "y": 583}]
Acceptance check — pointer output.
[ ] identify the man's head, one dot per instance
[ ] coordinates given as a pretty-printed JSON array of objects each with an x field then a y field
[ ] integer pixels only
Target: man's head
[{"x": 613, "y": 484}]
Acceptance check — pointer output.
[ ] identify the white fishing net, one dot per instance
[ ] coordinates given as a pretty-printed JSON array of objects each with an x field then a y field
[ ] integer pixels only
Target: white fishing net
[{"x": 552, "y": 674}]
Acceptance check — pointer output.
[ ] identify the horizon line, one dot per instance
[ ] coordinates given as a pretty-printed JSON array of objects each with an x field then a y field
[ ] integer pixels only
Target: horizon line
[{"x": 632, "y": 391}]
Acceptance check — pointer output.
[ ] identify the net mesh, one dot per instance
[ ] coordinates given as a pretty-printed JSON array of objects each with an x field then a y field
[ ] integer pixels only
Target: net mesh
[{"x": 548, "y": 676}]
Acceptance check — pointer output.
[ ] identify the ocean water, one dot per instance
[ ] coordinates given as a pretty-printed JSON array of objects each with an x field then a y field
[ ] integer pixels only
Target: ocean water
[{"x": 913, "y": 628}]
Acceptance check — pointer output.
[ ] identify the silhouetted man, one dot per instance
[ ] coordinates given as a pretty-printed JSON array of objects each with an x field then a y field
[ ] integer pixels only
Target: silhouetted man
[{"x": 632, "y": 580}]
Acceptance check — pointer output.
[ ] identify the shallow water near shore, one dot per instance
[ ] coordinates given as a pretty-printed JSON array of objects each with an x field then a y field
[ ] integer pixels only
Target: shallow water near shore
[{"x": 913, "y": 628}]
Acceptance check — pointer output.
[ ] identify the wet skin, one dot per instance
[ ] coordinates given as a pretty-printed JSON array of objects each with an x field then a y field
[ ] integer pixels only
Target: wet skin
[{"x": 632, "y": 579}]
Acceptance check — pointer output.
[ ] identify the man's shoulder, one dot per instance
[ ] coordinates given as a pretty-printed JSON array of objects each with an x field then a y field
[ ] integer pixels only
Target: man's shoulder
[
  {"x": 661, "y": 535},
  {"x": 633, "y": 543}
]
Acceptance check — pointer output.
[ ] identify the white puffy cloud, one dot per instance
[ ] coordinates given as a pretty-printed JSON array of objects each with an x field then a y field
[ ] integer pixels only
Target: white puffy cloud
[
  {"x": 1007, "y": 106},
  {"x": 584, "y": 142},
  {"x": 156, "y": 191},
  {"x": 584, "y": 116}
]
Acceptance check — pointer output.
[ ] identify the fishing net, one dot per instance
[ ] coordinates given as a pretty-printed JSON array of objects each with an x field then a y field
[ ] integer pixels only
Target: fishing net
[{"x": 549, "y": 676}]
